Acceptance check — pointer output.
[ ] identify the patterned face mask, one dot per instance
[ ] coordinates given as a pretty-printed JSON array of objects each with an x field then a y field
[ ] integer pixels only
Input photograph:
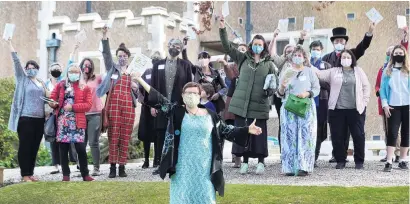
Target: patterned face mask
[
  {"x": 191, "y": 100},
  {"x": 122, "y": 61}
]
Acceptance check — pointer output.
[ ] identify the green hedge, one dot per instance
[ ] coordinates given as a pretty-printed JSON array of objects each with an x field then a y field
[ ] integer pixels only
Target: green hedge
[{"x": 8, "y": 139}]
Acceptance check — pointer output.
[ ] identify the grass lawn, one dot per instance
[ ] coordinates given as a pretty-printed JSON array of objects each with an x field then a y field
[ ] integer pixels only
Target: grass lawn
[{"x": 137, "y": 192}]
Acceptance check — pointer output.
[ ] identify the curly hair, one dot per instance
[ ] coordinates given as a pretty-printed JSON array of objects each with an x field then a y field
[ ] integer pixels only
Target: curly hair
[
  {"x": 305, "y": 54},
  {"x": 124, "y": 49},
  {"x": 406, "y": 66}
]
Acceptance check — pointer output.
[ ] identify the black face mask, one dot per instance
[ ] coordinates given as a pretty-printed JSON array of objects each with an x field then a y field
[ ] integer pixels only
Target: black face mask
[
  {"x": 56, "y": 73},
  {"x": 173, "y": 52},
  {"x": 398, "y": 58}
]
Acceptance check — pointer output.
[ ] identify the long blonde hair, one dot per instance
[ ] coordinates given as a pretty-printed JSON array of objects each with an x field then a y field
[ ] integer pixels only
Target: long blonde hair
[{"x": 406, "y": 66}]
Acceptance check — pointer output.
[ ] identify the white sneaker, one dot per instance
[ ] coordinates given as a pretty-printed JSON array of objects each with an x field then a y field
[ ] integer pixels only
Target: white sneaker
[
  {"x": 244, "y": 168},
  {"x": 260, "y": 169}
]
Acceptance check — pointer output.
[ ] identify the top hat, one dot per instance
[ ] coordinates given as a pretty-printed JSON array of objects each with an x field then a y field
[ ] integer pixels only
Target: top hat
[{"x": 339, "y": 32}]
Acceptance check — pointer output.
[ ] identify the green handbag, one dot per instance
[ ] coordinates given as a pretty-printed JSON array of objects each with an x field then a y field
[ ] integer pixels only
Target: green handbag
[{"x": 298, "y": 106}]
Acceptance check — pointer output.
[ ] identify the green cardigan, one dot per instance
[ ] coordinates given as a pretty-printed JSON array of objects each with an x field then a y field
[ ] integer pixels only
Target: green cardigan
[{"x": 249, "y": 99}]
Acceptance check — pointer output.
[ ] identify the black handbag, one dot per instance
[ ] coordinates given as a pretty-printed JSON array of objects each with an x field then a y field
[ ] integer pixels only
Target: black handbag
[{"x": 50, "y": 129}]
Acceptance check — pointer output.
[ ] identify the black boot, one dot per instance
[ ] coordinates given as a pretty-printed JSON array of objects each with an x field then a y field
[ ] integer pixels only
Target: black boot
[
  {"x": 121, "y": 171},
  {"x": 146, "y": 164},
  {"x": 113, "y": 171}
]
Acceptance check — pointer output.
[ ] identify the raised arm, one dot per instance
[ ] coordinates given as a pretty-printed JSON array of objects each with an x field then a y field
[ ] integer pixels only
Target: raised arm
[
  {"x": 70, "y": 60},
  {"x": 184, "y": 51},
  {"x": 109, "y": 63},
  {"x": 228, "y": 48},
  {"x": 19, "y": 71},
  {"x": 405, "y": 41},
  {"x": 365, "y": 43}
]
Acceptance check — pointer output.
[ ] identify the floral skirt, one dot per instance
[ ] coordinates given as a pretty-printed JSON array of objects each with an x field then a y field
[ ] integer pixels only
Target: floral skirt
[{"x": 67, "y": 131}]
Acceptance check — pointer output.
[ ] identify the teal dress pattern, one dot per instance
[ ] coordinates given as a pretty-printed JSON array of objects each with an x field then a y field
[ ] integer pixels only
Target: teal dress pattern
[
  {"x": 298, "y": 140},
  {"x": 191, "y": 182}
]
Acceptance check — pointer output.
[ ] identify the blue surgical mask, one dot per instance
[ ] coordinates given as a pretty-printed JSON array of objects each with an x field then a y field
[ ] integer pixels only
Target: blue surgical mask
[
  {"x": 32, "y": 72},
  {"x": 298, "y": 60},
  {"x": 339, "y": 47},
  {"x": 74, "y": 77},
  {"x": 257, "y": 49},
  {"x": 316, "y": 54}
]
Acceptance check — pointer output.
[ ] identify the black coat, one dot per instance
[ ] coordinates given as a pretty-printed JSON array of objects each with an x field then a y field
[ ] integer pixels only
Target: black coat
[
  {"x": 146, "y": 129},
  {"x": 358, "y": 52},
  {"x": 221, "y": 131},
  {"x": 182, "y": 77},
  {"x": 218, "y": 84}
]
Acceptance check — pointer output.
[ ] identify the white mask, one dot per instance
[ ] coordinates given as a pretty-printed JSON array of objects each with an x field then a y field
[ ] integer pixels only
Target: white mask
[
  {"x": 339, "y": 47},
  {"x": 191, "y": 100},
  {"x": 346, "y": 62}
]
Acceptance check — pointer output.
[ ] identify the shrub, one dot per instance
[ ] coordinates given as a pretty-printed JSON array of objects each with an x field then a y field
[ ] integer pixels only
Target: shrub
[
  {"x": 8, "y": 139},
  {"x": 43, "y": 157}
]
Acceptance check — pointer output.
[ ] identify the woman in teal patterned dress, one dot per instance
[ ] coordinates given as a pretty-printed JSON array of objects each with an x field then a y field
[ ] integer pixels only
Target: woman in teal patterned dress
[
  {"x": 193, "y": 138},
  {"x": 298, "y": 134}
]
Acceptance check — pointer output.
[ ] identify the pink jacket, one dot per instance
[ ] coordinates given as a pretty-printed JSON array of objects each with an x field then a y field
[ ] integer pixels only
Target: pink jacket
[
  {"x": 97, "y": 103},
  {"x": 334, "y": 77}
]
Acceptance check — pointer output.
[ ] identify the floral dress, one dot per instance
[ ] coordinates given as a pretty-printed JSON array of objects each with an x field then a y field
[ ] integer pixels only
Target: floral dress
[{"x": 67, "y": 131}]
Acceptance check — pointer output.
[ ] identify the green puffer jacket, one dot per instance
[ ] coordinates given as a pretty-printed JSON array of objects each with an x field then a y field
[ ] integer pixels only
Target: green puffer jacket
[{"x": 249, "y": 99}]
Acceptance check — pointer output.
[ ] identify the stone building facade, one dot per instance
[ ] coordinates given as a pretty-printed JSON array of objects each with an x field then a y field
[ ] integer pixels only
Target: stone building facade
[{"x": 146, "y": 27}]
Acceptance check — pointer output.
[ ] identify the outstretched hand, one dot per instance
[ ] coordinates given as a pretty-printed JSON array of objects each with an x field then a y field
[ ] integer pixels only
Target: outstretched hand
[{"x": 255, "y": 130}]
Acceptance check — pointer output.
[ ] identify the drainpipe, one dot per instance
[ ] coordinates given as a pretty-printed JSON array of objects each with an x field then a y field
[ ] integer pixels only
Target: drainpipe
[
  {"x": 88, "y": 7},
  {"x": 248, "y": 26},
  {"x": 53, "y": 44}
]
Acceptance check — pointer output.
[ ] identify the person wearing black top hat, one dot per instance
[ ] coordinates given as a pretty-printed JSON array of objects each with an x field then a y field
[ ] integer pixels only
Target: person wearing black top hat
[{"x": 339, "y": 41}]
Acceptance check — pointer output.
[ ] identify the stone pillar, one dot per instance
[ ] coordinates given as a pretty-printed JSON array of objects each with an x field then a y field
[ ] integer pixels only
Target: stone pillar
[
  {"x": 46, "y": 13},
  {"x": 156, "y": 26}
]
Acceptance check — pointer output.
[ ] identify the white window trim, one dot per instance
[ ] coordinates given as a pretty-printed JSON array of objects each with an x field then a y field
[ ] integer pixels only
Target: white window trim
[
  {"x": 98, "y": 54},
  {"x": 296, "y": 34}
]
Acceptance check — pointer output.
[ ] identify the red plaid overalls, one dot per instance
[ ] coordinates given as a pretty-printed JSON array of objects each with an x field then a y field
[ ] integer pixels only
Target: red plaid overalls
[{"x": 121, "y": 115}]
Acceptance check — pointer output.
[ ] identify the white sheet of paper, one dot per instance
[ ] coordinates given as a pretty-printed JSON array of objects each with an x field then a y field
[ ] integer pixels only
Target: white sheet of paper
[
  {"x": 8, "y": 31},
  {"x": 374, "y": 16},
  {"x": 81, "y": 36},
  {"x": 191, "y": 34},
  {"x": 283, "y": 25},
  {"x": 225, "y": 9},
  {"x": 401, "y": 21},
  {"x": 139, "y": 64},
  {"x": 309, "y": 24},
  {"x": 110, "y": 22}
]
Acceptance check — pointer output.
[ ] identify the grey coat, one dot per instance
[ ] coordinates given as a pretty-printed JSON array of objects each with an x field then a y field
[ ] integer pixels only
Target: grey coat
[
  {"x": 110, "y": 68},
  {"x": 21, "y": 80}
]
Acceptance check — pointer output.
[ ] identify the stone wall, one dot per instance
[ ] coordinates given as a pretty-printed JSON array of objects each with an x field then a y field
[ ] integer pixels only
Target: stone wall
[
  {"x": 265, "y": 17},
  {"x": 24, "y": 15}
]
